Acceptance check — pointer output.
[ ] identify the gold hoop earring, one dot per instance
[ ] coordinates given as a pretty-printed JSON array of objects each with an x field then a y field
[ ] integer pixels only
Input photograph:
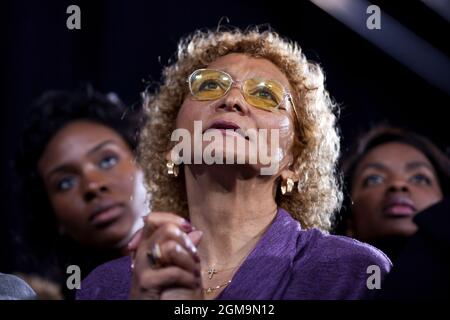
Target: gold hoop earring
[
  {"x": 287, "y": 186},
  {"x": 172, "y": 169}
]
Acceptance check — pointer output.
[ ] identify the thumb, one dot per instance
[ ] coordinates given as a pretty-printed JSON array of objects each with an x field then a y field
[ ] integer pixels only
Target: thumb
[
  {"x": 195, "y": 236},
  {"x": 135, "y": 240}
]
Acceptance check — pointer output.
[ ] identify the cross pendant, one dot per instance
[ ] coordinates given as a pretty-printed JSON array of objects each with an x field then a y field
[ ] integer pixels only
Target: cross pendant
[{"x": 211, "y": 272}]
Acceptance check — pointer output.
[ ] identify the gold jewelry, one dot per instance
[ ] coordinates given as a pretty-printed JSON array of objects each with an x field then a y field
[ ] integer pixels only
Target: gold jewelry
[
  {"x": 287, "y": 186},
  {"x": 211, "y": 272},
  {"x": 212, "y": 289},
  {"x": 172, "y": 169},
  {"x": 154, "y": 255}
]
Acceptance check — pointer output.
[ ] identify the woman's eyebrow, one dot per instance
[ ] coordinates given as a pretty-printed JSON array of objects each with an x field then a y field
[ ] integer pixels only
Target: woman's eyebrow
[
  {"x": 99, "y": 146},
  {"x": 418, "y": 164},
  {"x": 67, "y": 167},
  {"x": 374, "y": 165},
  {"x": 60, "y": 169}
]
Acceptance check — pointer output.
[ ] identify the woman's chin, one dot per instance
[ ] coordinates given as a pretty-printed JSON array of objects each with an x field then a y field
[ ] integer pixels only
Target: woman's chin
[
  {"x": 404, "y": 227},
  {"x": 112, "y": 235}
]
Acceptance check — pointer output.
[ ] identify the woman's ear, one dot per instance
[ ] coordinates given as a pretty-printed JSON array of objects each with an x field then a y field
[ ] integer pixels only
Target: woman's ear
[
  {"x": 175, "y": 157},
  {"x": 167, "y": 156},
  {"x": 289, "y": 173}
]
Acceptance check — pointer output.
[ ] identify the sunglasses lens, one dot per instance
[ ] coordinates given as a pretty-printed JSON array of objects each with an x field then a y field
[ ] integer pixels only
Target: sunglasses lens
[
  {"x": 264, "y": 94},
  {"x": 209, "y": 84}
]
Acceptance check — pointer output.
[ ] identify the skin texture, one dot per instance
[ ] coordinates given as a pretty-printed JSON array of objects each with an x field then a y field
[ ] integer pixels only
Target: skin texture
[
  {"x": 88, "y": 168},
  {"x": 225, "y": 230},
  {"x": 391, "y": 173}
]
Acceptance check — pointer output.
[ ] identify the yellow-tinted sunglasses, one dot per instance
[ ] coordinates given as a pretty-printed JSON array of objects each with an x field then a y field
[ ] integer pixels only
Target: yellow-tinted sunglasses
[{"x": 210, "y": 84}]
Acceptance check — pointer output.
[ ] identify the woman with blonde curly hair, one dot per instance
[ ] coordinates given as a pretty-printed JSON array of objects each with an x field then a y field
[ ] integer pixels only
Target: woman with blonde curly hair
[{"x": 231, "y": 231}]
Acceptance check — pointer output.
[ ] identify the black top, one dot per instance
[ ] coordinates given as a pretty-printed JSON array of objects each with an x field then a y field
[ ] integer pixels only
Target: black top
[{"x": 422, "y": 270}]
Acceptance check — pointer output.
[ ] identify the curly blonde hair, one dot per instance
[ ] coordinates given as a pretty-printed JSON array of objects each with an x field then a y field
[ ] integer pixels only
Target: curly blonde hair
[{"x": 316, "y": 143}]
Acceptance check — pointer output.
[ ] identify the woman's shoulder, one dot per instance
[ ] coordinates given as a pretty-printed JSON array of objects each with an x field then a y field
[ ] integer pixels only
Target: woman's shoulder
[
  {"x": 109, "y": 281},
  {"x": 341, "y": 249},
  {"x": 314, "y": 245},
  {"x": 335, "y": 267}
]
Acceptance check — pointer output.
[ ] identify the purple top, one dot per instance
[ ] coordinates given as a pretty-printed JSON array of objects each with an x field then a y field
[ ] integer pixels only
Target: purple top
[{"x": 287, "y": 263}]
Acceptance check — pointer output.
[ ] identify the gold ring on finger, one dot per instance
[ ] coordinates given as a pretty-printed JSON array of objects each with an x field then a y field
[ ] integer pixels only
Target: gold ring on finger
[{"x": 154, "y": 255}]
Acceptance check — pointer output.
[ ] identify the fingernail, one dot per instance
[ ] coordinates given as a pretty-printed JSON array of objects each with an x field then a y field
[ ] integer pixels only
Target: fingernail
[
  {"x": 197, "y": 273},
  {"x": 196, "y": 258},
  {"x": 186, "y": 226}
]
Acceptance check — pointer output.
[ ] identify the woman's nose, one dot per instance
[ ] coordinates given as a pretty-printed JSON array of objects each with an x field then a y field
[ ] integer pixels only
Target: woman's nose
[
  {"x": 95, "y": 183},
  {"x": 398, "y": 185},
  {"x": 234, "y": 101}
]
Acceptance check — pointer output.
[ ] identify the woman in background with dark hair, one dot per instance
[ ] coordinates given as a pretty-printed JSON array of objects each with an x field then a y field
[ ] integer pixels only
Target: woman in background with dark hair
[
  {"x": 398, "y": 200},
  {"x": 83, "y": 191}
]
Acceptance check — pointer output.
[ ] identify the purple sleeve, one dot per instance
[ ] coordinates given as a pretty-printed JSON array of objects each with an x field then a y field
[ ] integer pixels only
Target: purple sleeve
[
  {"x": 336, "y": 268},
  {"x": 109, "y": 281}
]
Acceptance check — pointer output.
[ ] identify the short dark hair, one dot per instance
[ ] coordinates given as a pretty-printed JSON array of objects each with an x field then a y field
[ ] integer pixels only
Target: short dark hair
[
  {"x": 51, "y": 112},
  {"x": 384, "y": 134}
]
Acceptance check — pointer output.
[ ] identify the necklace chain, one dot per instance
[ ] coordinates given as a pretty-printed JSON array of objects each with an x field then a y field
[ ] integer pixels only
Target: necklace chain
[
  {"x": 212, "y": 289},
  {"x": 213, "y": 271}
]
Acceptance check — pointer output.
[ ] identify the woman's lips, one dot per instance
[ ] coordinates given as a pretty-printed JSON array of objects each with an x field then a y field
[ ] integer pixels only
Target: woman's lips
[
  {"x": 227, "y": 127},
  {"x": 399, "y": 210},
  {"x": 399, "y": 206},
  {"x": 106, "y": 214}
]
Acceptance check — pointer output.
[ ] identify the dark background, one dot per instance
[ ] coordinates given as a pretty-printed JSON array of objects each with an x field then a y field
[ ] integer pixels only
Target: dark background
[{"x": 122, "y": 44}]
